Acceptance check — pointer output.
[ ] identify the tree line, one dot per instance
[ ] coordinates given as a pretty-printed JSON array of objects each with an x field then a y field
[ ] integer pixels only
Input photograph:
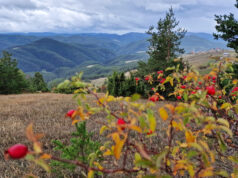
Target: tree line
[{"x": 13, "y": 80}]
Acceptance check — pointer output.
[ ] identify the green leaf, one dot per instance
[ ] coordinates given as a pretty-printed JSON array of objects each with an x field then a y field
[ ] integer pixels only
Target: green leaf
[
  {"x": 160, "y": 157},
  {"x": 152, "y": 120}
]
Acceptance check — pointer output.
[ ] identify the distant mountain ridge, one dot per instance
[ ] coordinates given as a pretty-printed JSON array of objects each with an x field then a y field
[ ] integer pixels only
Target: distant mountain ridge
[{"x": 58, "y": 55}]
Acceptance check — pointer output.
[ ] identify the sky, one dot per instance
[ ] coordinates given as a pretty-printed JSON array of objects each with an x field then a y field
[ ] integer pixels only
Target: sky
[{"x": 108, "y": 16}]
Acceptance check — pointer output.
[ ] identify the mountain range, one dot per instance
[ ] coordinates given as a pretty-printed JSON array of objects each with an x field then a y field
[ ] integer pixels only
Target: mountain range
[{"x": 61, "y": 55}]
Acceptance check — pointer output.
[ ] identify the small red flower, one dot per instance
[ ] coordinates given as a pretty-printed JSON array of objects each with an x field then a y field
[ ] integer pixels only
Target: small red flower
[
  {"x": 184, "y": 77},
  {"x": 197, "y": 88},
  {"x": 219, "y": 97},
  {"x": 17, "y": 151},
  {"x": 193, "y": 92},
  {"x": 214, "y": 78},
  {"x": 149, "y": 132},
  {"x": 214, "y": 81},
  {"x": 162, "y": 80},
  {"x": 211, "y": 90},
  {"x": 200, "y": 83},
  {"x": 179, "y": 97},
  {"x": 70, "y": 113},
  {"x": 154, "y": 98},
  {"x": 183, "y": 86}
]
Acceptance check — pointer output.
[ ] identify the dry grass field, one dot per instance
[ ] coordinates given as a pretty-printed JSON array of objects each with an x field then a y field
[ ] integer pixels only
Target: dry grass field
[{"x": 47, "y": 113}]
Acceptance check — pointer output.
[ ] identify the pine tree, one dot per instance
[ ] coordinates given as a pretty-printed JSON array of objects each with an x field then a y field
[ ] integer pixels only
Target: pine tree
[
  {"x": 39, "y": 83},
  {"x": 12, "y": 80},
  {"x": 227, "y": 28},
  {"x": 164, "y": 44}
]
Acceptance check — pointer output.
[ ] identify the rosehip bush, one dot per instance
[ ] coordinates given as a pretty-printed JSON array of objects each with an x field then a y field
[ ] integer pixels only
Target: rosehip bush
[{"x": 196, "y": 136}]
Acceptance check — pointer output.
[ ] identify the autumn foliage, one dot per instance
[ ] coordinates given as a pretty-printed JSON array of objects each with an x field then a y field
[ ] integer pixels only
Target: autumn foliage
[{"x": 196, "y": 136}]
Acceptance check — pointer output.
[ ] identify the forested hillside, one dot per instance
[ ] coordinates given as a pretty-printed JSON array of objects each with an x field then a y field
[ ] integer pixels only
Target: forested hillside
[{"x": 61, "y": 55}]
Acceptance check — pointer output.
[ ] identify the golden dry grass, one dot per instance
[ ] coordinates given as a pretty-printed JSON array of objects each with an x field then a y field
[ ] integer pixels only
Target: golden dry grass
[{"x": 47, "y": 113}]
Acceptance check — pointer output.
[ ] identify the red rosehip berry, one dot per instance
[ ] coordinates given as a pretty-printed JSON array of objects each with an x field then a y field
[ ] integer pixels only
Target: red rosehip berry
[
  {"x": 160, "y": 72},
  {"x": 149, "y": 132},
  {"x": 214, "y": 78},
  {"x": 235, "y": 89},
  {"x": 137, "y": 79},
  {"x": 147, "y": 78},
  {"x": 121, "y": 122},
  {"x": 197, "y": 88},
  {"x": 219, "y": 97},
  {"x": 193, "y": 92},
  {"x": 183, "y": 86},
  {"x": 162, "y": 80},
  {"x": 211, "y": 90},
  {"x": 200, "y": 83},
  {"x": 179, "y": 97},
  {"x": 70, "y": 113},
  {"x": 154, "y": 98},
  {"x": 214, "y": 81},
  {"x": 17, "y": 151}
]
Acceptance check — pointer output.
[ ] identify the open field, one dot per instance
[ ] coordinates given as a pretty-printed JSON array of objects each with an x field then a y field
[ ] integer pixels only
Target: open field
[{"x": 46, "y": 111}]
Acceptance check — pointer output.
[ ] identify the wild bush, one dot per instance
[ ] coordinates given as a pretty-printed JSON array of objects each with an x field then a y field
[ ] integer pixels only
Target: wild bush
[{"x": 195, "y": 136}]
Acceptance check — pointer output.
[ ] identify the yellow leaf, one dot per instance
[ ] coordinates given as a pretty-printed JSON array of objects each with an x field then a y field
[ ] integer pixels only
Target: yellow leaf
[
  {"x": 170, "y": 107},
  {"x": 152, "y": 122},
  {"x": 37, "y": 147},
  {"x": 119, "y": 144},
  {"x": 176, "y": 125},
  {"x": 91, "y": 174},
  {"x": 163, "y": 114},
  {"x": 190, "y": 138},
  {"x": 206, "y": 172},
  {"x": 103, "y": 128},
  {"x": 75, "y": 121},
  {"x": 234, "y": 82},
  {"x": 98, "y": 165},
  {"x": 225, "y": 105},
  {"x": 171, "y": 82},
  {"x": 134, "y": 127},
  {"x": 107, "y": 153},
  {"x": 45, "y": 156}
]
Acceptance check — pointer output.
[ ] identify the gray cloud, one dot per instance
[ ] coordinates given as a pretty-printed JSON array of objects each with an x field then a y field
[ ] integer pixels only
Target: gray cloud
[{"x": 107, "y": 15}]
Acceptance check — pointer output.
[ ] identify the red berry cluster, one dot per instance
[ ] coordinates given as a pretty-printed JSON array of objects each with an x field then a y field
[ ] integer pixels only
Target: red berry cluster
[{"x": 154, "y": 98}]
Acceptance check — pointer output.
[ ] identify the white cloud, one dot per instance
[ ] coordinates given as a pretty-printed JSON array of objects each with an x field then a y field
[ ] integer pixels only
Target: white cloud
[{"x": 107, "y": 15}]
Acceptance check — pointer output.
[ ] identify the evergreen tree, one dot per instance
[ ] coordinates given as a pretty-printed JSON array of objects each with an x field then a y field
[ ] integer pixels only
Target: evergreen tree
[
  {"x": 12, "y": 80},
  {"x": 227, "y": 28},
  {"x": 39, "y": 83},
  {"x": 164, "y": 44}
]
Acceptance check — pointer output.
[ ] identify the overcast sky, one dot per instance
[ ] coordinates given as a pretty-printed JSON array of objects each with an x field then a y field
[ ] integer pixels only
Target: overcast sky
[{"x": 107, "y": 16}]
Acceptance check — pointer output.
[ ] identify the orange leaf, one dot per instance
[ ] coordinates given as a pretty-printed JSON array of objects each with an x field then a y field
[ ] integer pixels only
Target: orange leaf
[
  {"x": 45, "y": 156},
  {"x": 190, "y": 138},
  {"x": 163, "y": 114},
  {"x": 29, "y": 133}
]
